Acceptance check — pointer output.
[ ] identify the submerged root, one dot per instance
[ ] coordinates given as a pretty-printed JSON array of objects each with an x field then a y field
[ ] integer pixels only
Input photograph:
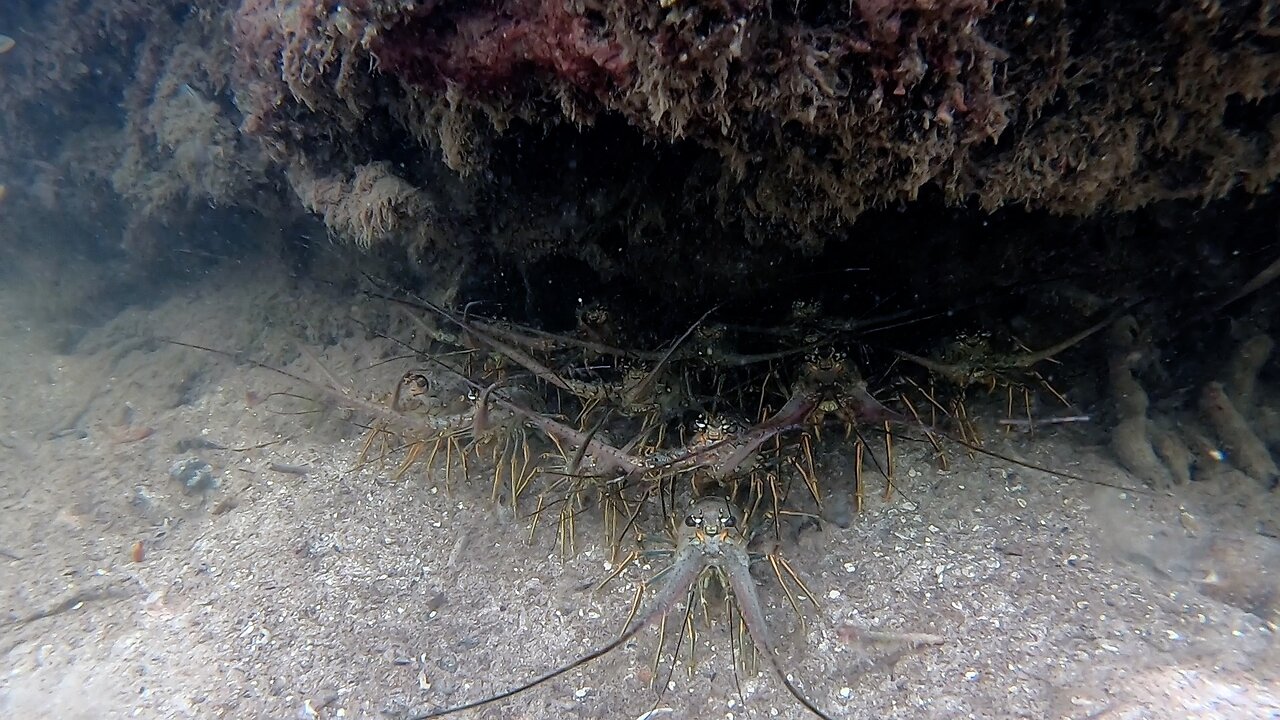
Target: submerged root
[
  {"x": 1131, "y": 437},
  {"x": 1244, "y": 449},
  {"x": 1231, "y": 408},
  {"x": 1161, "y": 453},
  {"x": 1246, "y": 363},
  {"x": 1132, "y": 445},
  {"x": 1174, "y": 453}
]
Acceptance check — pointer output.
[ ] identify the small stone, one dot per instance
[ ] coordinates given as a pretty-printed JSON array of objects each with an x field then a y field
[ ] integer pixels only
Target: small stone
[{"x": 193, "y": 474}]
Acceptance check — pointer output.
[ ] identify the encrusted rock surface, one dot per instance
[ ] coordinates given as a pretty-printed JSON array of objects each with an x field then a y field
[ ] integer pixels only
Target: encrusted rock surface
[{"x": 615, "y": 133}]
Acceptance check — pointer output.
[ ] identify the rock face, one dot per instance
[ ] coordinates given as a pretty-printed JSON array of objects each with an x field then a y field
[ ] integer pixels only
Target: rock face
[{"x": 719, "y": 134}]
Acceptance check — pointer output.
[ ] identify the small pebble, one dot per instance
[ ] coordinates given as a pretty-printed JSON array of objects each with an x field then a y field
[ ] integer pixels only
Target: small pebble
[{"x": 193, "y": 474}]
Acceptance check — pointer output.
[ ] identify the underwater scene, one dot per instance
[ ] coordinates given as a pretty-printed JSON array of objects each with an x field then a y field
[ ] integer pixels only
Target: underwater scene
[{"x": 651, "y": 360}]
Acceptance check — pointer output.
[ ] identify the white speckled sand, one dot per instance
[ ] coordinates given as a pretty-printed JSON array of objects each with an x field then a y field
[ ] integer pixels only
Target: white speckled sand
[{"x": 343, "y": 593}]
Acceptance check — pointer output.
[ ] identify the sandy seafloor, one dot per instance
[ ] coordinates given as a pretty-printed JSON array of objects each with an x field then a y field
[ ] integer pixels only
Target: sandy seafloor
[{"x": 345, "y": 593}]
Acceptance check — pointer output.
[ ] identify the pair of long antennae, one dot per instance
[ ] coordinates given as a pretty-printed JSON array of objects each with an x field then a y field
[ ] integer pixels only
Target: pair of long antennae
[
  {"x": 689, "y": 563},
  {"x": 684, "y": 571}
]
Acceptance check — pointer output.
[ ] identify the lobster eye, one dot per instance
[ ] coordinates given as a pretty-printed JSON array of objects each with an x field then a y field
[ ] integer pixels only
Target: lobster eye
[
  {"x": 693, "y": 520},
  {"x": 728, "y": 521}
]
